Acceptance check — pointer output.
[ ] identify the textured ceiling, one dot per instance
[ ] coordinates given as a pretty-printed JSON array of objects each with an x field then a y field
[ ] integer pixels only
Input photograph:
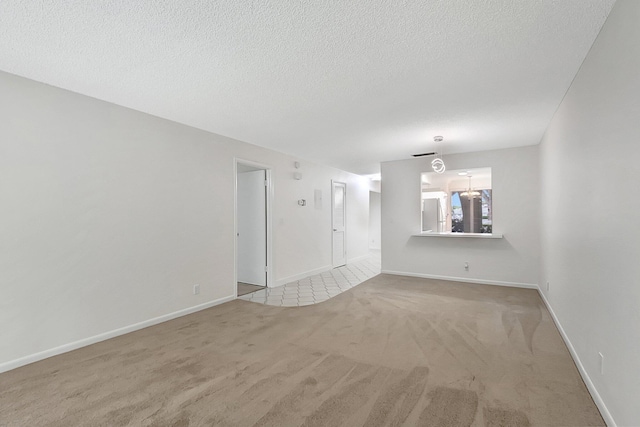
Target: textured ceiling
[{"x": 343, "y": 83}]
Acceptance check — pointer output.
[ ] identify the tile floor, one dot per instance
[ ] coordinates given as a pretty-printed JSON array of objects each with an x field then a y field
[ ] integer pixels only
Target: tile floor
[{"x": 318, "y": 288}]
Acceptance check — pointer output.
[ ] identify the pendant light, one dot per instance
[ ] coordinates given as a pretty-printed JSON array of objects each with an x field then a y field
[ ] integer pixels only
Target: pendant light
[{"x": 437, "y": 164}]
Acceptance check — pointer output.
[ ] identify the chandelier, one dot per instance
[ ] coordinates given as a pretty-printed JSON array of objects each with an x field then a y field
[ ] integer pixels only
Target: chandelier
[{"x": 470, "y": 193}]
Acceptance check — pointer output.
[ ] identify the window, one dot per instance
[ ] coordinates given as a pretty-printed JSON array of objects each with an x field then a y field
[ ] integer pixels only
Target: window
[
  {"x": 458, "y": 201},
  {"x": 471, "y": 213}
]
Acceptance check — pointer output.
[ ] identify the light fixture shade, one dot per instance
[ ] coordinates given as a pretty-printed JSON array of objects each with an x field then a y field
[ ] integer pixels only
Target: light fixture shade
[
  {"x": 470, "y": 194},
  {"x": 438, "y": 165}
]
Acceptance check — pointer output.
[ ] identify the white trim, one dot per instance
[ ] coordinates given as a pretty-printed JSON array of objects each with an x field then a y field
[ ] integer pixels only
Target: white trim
[
  {"x": 269, "y": 202},
  {"x": 16, "y": 363},
  {"x": 463, "y": 279},
  {"x": 295, "y": 277},
  {"x": 358, "y": 258},
  {"x": 604, "y": 411},
  {"x": 315, "y": 271},
  {"x": 459, "y": 235}
]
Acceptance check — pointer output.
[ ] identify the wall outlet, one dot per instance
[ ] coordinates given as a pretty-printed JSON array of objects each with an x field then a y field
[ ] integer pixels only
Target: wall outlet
[
  {"x": 466, "y": 266},
  {"x": 601, "y": 363},
  {"x": 196, "y": 289}
]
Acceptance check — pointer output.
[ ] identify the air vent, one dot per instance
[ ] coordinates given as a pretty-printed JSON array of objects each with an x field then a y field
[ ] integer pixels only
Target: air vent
[{"x": 424, "y": 154}]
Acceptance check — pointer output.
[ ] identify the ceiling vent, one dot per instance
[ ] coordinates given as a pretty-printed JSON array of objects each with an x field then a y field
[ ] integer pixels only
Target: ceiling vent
[{"x": 424, "y": 154}]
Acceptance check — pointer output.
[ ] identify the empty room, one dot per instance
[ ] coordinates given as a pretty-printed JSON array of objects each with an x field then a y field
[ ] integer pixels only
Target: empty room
[{"x": 319, "y": 213}]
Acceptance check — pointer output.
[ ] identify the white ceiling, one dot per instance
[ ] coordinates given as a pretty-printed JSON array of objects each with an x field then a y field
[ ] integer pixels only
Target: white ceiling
[{"x": 343, "y": 83}]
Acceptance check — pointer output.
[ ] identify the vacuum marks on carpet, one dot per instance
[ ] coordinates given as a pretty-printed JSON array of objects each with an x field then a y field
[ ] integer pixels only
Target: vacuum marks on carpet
[{"x": 391, "y": 351}]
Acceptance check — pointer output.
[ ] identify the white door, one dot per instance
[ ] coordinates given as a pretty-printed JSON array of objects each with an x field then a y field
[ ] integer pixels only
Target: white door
[
  {"x": 252, "y": 227},
  {"x": 338, "y": 217}
]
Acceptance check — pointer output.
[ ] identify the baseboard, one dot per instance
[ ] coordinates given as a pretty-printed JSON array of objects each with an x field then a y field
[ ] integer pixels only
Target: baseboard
[
  {"x": 358, "y": 258},
  {"x": 13, "y": 364},
  {"x": 606, "y": 415},
  {"x": 463, "y": 279},
  {"x": 313, "y": 272},
  {"x": 604, "y": 411},
  {"x": 295, "y": 277}
]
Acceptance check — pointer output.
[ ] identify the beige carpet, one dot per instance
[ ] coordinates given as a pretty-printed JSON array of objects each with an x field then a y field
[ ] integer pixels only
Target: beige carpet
[{"x": 391, "y": 351}]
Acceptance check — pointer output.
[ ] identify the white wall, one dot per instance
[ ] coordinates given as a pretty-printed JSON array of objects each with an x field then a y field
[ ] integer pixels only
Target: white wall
[
  {"x": 303, "y": 233},
  {"x": 590, "y": 234},
  {"x": 511, "y": 260},
  {"x": 110, "y": 216}
]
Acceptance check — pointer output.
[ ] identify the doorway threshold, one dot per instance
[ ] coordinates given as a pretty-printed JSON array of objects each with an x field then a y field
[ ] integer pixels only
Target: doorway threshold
[{"x": 247, "y": 288}]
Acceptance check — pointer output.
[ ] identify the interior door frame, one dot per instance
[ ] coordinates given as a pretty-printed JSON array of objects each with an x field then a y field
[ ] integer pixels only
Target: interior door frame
[
  {"x": 344, "y": 202},
  {"x": 268, "y": 218}
]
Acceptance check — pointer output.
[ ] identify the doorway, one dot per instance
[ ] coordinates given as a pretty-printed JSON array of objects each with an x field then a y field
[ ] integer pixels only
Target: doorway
[
  {"x": 375, "y": 228},
  {"x": 338, "y": 222},
  {"x": 253, "y": 188}
]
